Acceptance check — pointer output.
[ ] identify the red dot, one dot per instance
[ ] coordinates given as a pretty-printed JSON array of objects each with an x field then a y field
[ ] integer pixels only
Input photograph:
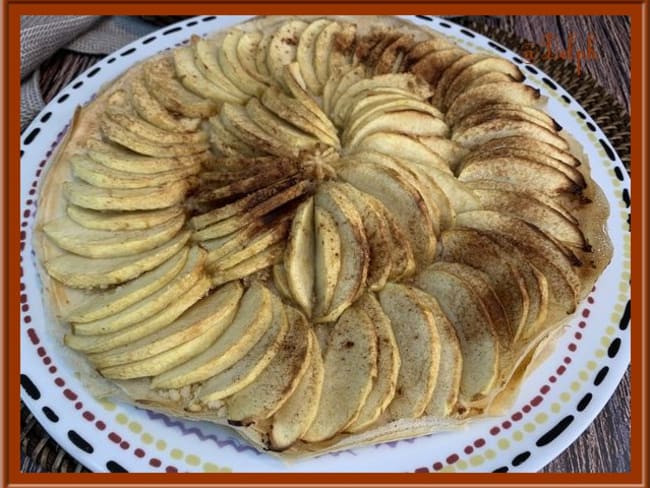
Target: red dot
[
  {"x": 69, "y": 394},
  {"x": 88, "y": 416},
  {"x": 560, "y": 370},
  {"x": 27, "y": 319},
  {"x": 172, "y": 469},
  {"x": 114, "y": 437},
  {"x": 46, "y": 360},
  {"x": 22, "y": 287},
  {"x": 590, "y": 299},
  {"x": 567, "y": 360},
  {"x": 517, "y": 416},
  {"x": 506, "y": 424},
  {"x": 23, "y": 298},
  {"x": 495, "y": 430},
  {"x": 526, "y": 408},
  {"x": 52, "y": 369},
  {"x": 59, "y": 382},
  {"x": 24, "y": 307},
  {"x": 155, "y": 462},
  {"x": 552, "y": 379},
  {"x": 33, "y": 336},
  {"x": 536, "y": 401},
  {"x": 100, "y": 425},
  {"x": 139, "y": 452},
  {"x": 479, "y": 443},
  {"x": 544, "y": 389},
  {"x": 124, "y": 445},
  {"x": 572, "y": 347},
  {"x": 578, "y": 335},
  {"x": 585, "y": 313},
  {"x": 41, "y": 351},
  {"x": 78, "y": 405},
  {"x": 32, "y": 192},
  {"x": 437, "y": 466},
  {"x": 469, "y": 450}
]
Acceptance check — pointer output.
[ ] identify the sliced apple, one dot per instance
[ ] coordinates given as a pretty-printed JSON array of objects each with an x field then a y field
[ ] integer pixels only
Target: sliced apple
[
  {"x": 388, "y": 364},
  {"x": 323, "y": 47},
  {"x": 354, "y": 249},
  {"x": 280, "y": 281},
  {"x": 299, "y": 256},
  {"x": 296, "y": 84},
  {"x": 283, "y": 47},
  {"x": 494, "y": 128},
  {"x": 152, "y": 198},
  {"x": 187, "y": 277},
  {"x": 248, "y": 325},
  {"x": 298, "y": 412},
  {"x": 260, "y": 56},
  {"x": 391, "y": 59},
  {"x": 270, "y": 256},
  {"x": 247, "y": 48},
  {"x": 350, "y": 369},
  {"x": 117, "y": 221},
  {"x": 305, "y": 55},
  {"x": 205, "y": 58},
  {"x": 338, "y": 82},
  {"x": 478, "y": 341},
  {"x": 232, "y": 67},
  {"x": 215, "y": 311},
  {"x": 81, "y": 272},
  {"x": 450, "y": 74},
  {"x": 277, "y": 382},
  {"x": 227, "y": 143},
  {"x": 418, "y": 343},
  {"x": 532, "y": 145},
  {"x": 327, "y": 259},
  {"x": 432, "y": 65},
  {"x": 248, "y": 368},
  {"x": 507, "y": 111},
  {"x": 422, "y": 48}
]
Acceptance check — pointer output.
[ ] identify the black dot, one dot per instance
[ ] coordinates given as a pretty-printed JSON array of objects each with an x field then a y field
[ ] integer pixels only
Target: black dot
[
  {"x": 111, "y": 60},
  {"x": 22, "y": 153},
  {"x": 49, "y": 413},
  {"x": 424, "y": 17},
  {"x": 80, "y": 442},
  {"x": 555, "y": 431},
  {"x": 584, "y": 401},
  {"x": 502, "y": 469},
  {"x": 501, "y": 49},
  {"x": 467, "y": 33},
  {"x": 445, "y": 25},
  {"x": 626, "y": 197},
  {"x": 591, "y": 126},
  {"x": 566, "y": 99},
  {"x": 46, "y": 117},
  {"x": 517, "y": 60},
  {"x": 613, "y": 348},
  {"x": 520, "y": 458},
  {"x": 551, "y": 85},
  {"x": 619, "y": 173},
  {"x": 581, "y": 115},
  {"x": 113, "y": 467},
  {"x": 127, "y": 52},
  {"x": 63, "y": 98},
  {"x": 608, "y": 150},
  {"x": 149, "y": 39},
  {"x": 192, "y": 24},
  {"x": 625, "y": 319},
  {"x": 31, "y": 136},
  {"x": 600, "y": 376},
  {"x": 29, "y": 387},
  {"x": 93, "y": 72},
  {"x": 171, "y": 31},
  {"x": 207, "y": 19},
  {"x": 531, "y": 69},
  {"x": 77, "y": 84}
]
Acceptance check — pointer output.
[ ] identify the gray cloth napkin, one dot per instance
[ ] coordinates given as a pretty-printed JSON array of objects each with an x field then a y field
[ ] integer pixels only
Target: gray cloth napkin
[{"x": 42, "y": 35}]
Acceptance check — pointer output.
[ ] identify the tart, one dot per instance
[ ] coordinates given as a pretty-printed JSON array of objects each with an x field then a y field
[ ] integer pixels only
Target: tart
[{"x": 325, "y": 232}]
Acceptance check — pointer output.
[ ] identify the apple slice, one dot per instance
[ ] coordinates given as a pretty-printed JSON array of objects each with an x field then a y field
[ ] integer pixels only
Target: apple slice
[
  {"x": 450, "y": 74},
  {"x": 432, "y": 65},
  {"x": 283, "y": 47},
  {"x": 298, "y": 412},
  {"x": 205, "y": 58},
  {"x": 248, "y": 368},
  {"x": 327, "y": 260},
  {"x": 417, "y": 339},
  {"x": 477, "y": 135},
  {"x": 249, "y": 324},
  {"x": 323, "y": 48},
  {"x": 277, "y": 382},
  {"x": 260, "y": 56},
  {"x": 215, "y": 311},
  {"x": 151, "y": 198},
  {"x": 232, "y": 67},
  {"x": 187, "y": 277},
  {"x": 478, "y": 341},
  {"x": 160, "y": 79},
  {"x": 268, "y": 257},
  {"x": 388, "y": 364},
  {"x": 299, "y": 256},
  {"x": 532, "y": 145},
  {"x": 422, "y": 48},
  {"x": 80, "y": 272},
  {"x": 305, "y": 55},
  {"x": 114, "y": 301},
  {"x": 391, "y": 58},
  {"x": 508, "y": 110},
  {"x": 339, "y": 81},
  {"x": 247, "y": 47},
  {"x": 93, "y": 243},
  {"x": 354, "y": 249},
  {"x": 227, "y": 143},
  {"x": 280, "y": 281},
  {"x": 350, "y": 368},
  {"x": 296, "y": 84},
  {"x": 286, "y": 133},
  {"x": 117, "y": 221}
]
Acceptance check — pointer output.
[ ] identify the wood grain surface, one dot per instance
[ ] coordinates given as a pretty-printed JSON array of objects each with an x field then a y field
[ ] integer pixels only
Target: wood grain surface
[{"x": 605, "y": 445}]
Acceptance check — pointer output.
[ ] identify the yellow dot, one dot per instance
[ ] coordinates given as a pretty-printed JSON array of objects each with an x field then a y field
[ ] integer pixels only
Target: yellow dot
[
  {"x": 591, "y": 365},
  {"x": 176, "y": 453},
  {"x": 555, "y": 407},
  {"x": 448, "y": 469},
  {"x": 600, "y": 353},
  {"x": 614, "y": 317},
  {"x": 476, "y": 460},
  {"x": 605, "y": 341},
  {"x": 583, "y": 375},
  {"x": 503, "y": 444},
  {"x": 146, "y": 438},
  {"x": 517, "y": 435},
  {"x": 121, "y": 418},
  {"x": 619, "y": 307},
  {"x": 161, "y": 445},
  {"x": 108, "y": 405},
  {"x": 529, "y": 427},
  {"x": 490, "y": 454},
  {"x": 211, "y": 468},
  {"x": 622, "y": 297},
  {"x": 575, "y": 386},
  {"x": 462, "y": 465},
  {"x": 135, "y": 427},
  {"x": 610, "y": 330},
  {"x": 541, "y": 418},
  {"x": 565, "y": 397},
  {"x": 192, "y": 460}
]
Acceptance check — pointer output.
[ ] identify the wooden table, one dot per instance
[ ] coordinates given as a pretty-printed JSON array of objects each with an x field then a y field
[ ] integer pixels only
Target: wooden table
[{"x": 610, "y": 37}]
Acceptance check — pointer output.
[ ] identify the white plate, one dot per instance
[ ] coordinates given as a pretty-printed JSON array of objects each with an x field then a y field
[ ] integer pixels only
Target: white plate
[{"x": 558, "y": 401}]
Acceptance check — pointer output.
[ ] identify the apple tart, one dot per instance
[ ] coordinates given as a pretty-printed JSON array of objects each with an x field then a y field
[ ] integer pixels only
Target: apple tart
[{"x": 324, "y": 232}]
